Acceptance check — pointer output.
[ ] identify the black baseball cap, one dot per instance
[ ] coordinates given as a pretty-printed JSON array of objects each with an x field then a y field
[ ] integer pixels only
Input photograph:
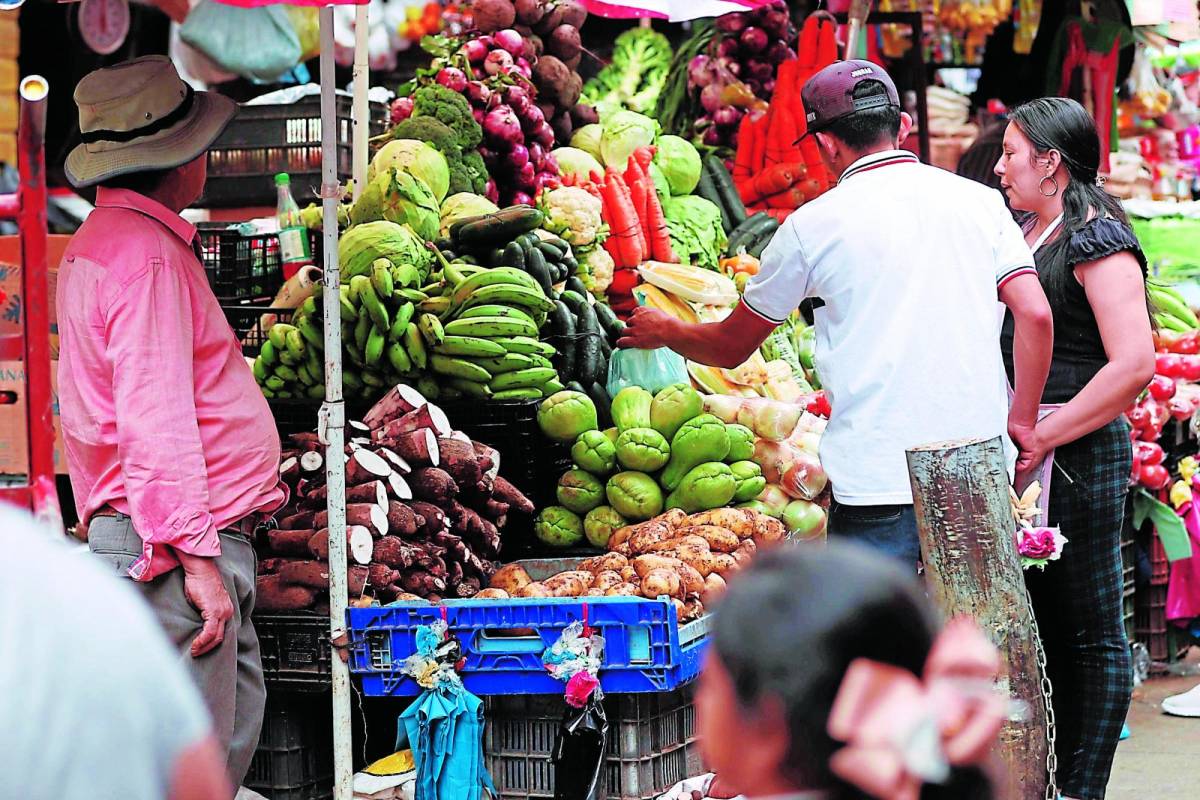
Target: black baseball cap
[{"x": 829, "y": 95}]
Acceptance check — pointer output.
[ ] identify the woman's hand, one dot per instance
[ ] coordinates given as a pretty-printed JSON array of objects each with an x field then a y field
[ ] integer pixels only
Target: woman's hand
[{"x": 1033, "y": 446}]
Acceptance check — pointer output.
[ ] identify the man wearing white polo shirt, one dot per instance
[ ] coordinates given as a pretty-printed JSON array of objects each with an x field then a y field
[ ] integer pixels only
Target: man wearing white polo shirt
[{"x": 905, "y": 264}]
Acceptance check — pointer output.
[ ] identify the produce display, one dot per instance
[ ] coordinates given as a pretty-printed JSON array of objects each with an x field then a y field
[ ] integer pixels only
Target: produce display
[
  {"x": 685, "y": 558},
  {"x": 425, "y": 507},
  {"x": 678, "y": 450}
]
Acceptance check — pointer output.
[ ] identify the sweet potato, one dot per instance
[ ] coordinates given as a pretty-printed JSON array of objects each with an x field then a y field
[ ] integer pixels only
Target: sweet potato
[
  {"x": 494, "y": 509},
  {"x": 594, "y": 593},
  {"x": 607, "y": 580},
  {"x": 677, "y": 542},
  {"x": 365, "y": 515},
  {"x": 719, "y": 540},
  {"x": 398, "y": 401},
  {"x": 402, "y": 520},
  {"x": 576, "y": 574},
  {"x": 511, "y": 578},
  {"x": 459, "y": 459},
  {"x": 359, "y": 544},
  {"x": 739, "y": 521},
  {"x": 289, "y": 542},
  {"x": 503, "y": 490},
  {"x": 381, "y": 574},
  {"x": 660, "y": 582},
  {"x": 623, "y": 590},
  {"x": 744, "y": 555},
  {"x": 489, "y": 459},
  {"x": 434, "y": 485},
  {"x": 418, "y": 448},
  {"x": 647, "y": 563},
  {"x": 363, "y": 466},
  {"x": 435, "y": 518},
  {"x": 672, "y": 518},
  {"x": 298, "y": 521},
  {"x": 272, "y": 594},
  {"x": 421, "y": 583},
  {"x": 604, "y": 563},
  {"x": 395, "y": 552},
  {"x": 699, "y": 558},
  {"x": 693, "y": 583},
  {"x": 492, "y": 594},
  {"x": 714, "y": 587},
  {"x": 533, "y": 590}
]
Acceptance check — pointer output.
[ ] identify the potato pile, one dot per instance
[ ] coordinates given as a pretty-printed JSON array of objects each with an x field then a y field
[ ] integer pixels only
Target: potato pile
[{"x": 687, "y": 558}]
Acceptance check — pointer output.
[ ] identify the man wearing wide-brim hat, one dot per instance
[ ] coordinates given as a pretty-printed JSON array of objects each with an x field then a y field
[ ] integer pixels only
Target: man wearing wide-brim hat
[{"x": 171, "y": 447}]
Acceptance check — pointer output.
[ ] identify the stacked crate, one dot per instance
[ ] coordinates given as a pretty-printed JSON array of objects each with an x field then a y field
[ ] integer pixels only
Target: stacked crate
[{"x": 10, "y": 44}]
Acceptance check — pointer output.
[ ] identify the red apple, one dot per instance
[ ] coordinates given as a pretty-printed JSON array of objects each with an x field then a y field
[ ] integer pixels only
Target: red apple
[
  {"x": 1148, "y": 453},
  {"x": 1179, "y": 408},
  {"x": 1168, "y": 364},
  {"x": 1154, "y": 476},
  {"x": 1139, "y": 417}
]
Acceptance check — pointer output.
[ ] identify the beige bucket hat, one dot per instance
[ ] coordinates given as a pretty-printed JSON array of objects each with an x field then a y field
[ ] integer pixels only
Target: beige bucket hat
[{"x": 140, "y": 115}]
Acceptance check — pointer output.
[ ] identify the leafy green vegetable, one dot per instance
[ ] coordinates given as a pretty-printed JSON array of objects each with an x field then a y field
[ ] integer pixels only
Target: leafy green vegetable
[
  {"x": 397, "y": 196},
  {"x": 467, "y": 173},
  {"x": 635, "y": 77},
  {"x": 679, "y": 162},
  {"x": 587, "y": 139},
  {"x": 573, "y": 161},
  {"x": 452, "y": 110},
  {"x": 694, "y": 225},
  {"x": 359, "y": 246},
  {"x": 622, "y": 133},
  {"x": 465, "y": 204}
]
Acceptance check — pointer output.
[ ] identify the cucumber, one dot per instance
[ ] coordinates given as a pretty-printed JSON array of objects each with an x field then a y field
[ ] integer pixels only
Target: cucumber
[
  {"x": 747, "y": 233},
  {"x": 574, "y": 300},
  {"x": 587, "y": 351},
  {"x": 730, "y": 200},
  {"x": 502, "y": 226},
  {"x": 535, "y": 264},
  {"x": 551, "y": 251},
  {"x": 763, "y": 239},
  {"x": 495, "y": 257},
  {"x": 608, "y": 320},
  {"x": 706, "y": 189},
  {"x": 574, "y": 284},
  {"x": 576, "y": 386},
  {"x": 603, "y": 403},
  {"x": 514, "y": 256},
  {"x": 562, "y": 333}
]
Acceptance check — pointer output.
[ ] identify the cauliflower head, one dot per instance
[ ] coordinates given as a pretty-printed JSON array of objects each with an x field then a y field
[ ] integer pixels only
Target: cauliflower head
[{"x": 573, "y": 214}]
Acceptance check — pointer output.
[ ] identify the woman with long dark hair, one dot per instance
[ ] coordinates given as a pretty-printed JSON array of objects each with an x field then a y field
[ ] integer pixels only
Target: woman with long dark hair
[
  {"x": 827, "y": 668},
  {"x": 1093, "y": 271}
]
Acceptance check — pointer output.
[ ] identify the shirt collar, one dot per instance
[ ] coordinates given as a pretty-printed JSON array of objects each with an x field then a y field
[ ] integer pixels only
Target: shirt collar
[
  {"x": 126, "y": 198},
  {"x": 883, "y": 158}
]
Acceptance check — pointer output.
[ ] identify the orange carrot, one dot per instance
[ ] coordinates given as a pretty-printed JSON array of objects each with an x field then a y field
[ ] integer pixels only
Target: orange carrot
[
  {"x": 622, "y": 220},
  {"x": 760, "y": 143},
  {"x": 792, "y": 198},
  {"x": 640, "y": 187},
  {"x": 660, "y": 238},
  {"x": 741, "y": 163},
  {"x": 771, "y": 181},
  {"x": 642, "y": 246}
]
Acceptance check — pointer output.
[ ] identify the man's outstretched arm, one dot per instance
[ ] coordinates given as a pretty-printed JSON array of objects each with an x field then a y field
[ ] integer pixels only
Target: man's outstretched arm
[{"x": 726, "y": 344}]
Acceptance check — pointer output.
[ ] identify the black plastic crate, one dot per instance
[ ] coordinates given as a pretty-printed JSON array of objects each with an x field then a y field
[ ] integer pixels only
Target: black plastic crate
[
  {"x": 240, "y": 267},
  {"x": 251, "y": 321},
  {"x": 294, "y": 759},
  {"x": 651, "y": 743},
  {"x": 264, "y": 140},
  {"x": 295, "y": 651}
]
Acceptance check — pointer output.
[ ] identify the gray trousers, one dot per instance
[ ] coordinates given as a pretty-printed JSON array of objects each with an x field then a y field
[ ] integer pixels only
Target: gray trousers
[{"x": 230, "y": 677}]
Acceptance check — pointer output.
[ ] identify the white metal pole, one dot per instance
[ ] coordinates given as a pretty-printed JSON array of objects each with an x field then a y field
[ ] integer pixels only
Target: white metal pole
[
  {"x": 362, "y": 114},
  {"x": 333, "y": 417}
]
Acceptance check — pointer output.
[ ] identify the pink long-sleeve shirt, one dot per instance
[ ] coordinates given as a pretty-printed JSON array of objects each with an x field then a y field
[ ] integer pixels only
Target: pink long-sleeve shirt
[{"x": 161, "y": 417}]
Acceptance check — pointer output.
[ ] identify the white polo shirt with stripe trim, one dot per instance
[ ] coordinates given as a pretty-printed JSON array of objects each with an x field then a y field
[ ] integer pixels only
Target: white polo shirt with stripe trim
[{"x": 908, "y": 260}]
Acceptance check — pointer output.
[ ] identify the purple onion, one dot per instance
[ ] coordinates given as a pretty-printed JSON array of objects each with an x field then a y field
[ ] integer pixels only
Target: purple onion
[
  {"x": 478, "y": 73},
  {"x": 754, "y": 40},
  {"x": 452, "y": 78},
  {"x": 769, "y": 87},
  {"x": 491, "y": 192},
  {"x": 502, "y": 127},
  {"x": 478, "y": 113},
  {"x": 710, "y": 98},
  {"x": 497, "y": 62},
  {"x": 728, "y": 48},
  {"x": 698, "y": 71},
  {"x": 712, "y": 137},
  {"x": 545, "y": 180},
  {"x": 537, "y": 153},
  {"x": 524, "y": 66},
  {"x": 518, "y": 156},
  {"x": 727, "y": 117},
  {"x": 775, "y": 21},
  {"x": 517, "y": 96},
  {"x": 760, "y": 71},
  {"x": 475, "y": 51},
  {"x": 734, "y": 68},
  {"x": 521, "y": 199},
  {"x": 510, "y": 41},
  {"x": 532, "y": 119},
  {"x": 544, "y": 135},
  {"x": 478, "y": 93},
  {"x": 549, "y": 164},
  {"x": 732, "y": 23},
  {"x": 779, "y": 52},
  {"x": 525, "y": 176}
]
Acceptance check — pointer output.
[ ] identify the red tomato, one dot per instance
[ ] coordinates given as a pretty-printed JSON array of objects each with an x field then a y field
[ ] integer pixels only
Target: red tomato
[
  {"x": 1191, "y": 368},
  {"x": 819, "y": 405},
  {"x": 1139, "y": 417},
  {"x": 1152, "y": 432},
  {"x": 1169, "y": 364},
  {"x": 1187, "y": 344},
  {"x": 1148, "y": 453},
  {"x": 1154, "y": 476},
  {"x": 1179, "y": 408},
  {"x": 1161, "y": 387}
]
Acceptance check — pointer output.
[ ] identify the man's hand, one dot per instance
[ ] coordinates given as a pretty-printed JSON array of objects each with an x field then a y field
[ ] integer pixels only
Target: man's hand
[
  {"x": 204, "y": 589},
  {"x": 647, "y": 329}
]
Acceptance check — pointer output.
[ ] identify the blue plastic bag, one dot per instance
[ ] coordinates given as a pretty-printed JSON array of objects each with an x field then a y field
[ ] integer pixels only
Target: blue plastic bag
[
  {"x": 650, "y": 369},
  {"x": 258, "y": 43}
]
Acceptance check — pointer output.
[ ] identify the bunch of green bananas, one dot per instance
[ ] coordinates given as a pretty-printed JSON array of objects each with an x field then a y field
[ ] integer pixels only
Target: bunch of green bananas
[{"x": 1171, "y": 311}]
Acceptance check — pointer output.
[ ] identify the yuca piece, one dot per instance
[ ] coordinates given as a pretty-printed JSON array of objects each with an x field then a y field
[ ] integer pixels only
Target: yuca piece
[
  {"x": 360, "y": 545},
  {"x": 272, "y": 594}
]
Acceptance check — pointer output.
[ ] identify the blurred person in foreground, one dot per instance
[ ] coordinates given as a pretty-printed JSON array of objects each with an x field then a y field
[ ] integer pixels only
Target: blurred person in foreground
[
  {"x": 1094, "y": 273},
  {"x": 172, "y": 451},
  {"x": 828, "y": 679},
  {"x": 94, "y": 702},
  {"x": 909, "y": 263}
]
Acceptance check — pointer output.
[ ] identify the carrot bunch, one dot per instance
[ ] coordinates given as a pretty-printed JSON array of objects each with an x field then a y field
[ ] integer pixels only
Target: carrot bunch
[{"x": 773, "y": 170}]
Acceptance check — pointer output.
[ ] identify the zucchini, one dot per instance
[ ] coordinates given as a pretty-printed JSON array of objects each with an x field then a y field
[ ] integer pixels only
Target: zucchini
[
  {"x": 574, "y": 284},
  {"x": 514, "y": 256},
  {"x": 608, "y": 320},
  {"x": 535, "y": 265},
  {"x": 706, "y": 189},
  {"x": 730, "y": 200},
  {"x": 603, "y": 402},
  {"x": 562, "y": 336},
  {"x": 502, "y": 226},
  {"x": 587, "y": 352},
  {"x": 763, "y": 239},
  {"x": 747, "y": 233}
]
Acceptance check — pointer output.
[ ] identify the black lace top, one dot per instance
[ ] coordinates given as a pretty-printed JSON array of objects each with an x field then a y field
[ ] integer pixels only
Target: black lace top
[{"x": 1078, "y": 349}]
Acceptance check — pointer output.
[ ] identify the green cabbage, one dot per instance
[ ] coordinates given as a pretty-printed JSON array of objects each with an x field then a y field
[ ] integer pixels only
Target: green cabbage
[
  {"x": 661, "y": 185},
  {"x": 622, "y": 133},
  {"x": 694, "y": 225},
  {"x": 399, "y": 197},
  {"x": 574, "y": 161},
  {"x": 416, "y": 158},
  {"x": 587, "y": 139},
  {"x": 679, "y": 162},
  {"x": 360, "y": 245},
  {"x": 464, "y": 204}
]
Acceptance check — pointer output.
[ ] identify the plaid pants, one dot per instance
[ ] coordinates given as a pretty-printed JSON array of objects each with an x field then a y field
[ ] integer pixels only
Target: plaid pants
[{"x": 1077, "y": 603}]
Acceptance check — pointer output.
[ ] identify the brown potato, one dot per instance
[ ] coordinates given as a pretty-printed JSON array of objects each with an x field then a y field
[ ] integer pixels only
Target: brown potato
[
  {"x": 744, "y": 555},
  {"x": 673, "y": 518},
  {"x": 714, "y": 587},
  {"x": 648, "y": 535},
  {"x": 769, "y": 531},
  {"x": 619, "y": 541},
  {"x": 511, "y": 578},
  {"x": 676, "y": 541},
  {"x": 724, "y": 563},
  {"x": 578, "y": 574},
  {"x": 647, "y": 563},
  {"x": 604, "y": 563},
  {"x": 719, "y": 539},
  {"x": 491, "y": 594},
  {"x": 568, "y": 584},
  {"x": 739, "y": 521},
  {"x": 622, "y": 590},
  {"x": 693, "y": 584},
  {"x": 594, "y": 592},
  {"x": 533, "y": 590},
  {"x": 629, "y": 574},
  {"x": 607, "y": 579},
  {"x": 659, "y": 582}
]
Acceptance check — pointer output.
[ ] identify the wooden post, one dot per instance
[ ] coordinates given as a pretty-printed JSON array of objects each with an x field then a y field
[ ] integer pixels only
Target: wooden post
[{"x": 960, "y": 494}]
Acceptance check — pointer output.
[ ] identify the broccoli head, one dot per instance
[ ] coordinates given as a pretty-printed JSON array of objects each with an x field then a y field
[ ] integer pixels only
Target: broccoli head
[
  {"x": 452, "y": 110},
  {"x": 473, "y": 163},
  {"x": 430, "y": 130}
]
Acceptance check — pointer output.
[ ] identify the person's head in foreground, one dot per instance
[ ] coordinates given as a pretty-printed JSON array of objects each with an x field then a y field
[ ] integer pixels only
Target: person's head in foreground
[
  {"x": 853, "y": 109},
  {"x": 146, "y": 130},
  {"x": 1051, "y": 162},
  {"x": 820, "y": 679}
]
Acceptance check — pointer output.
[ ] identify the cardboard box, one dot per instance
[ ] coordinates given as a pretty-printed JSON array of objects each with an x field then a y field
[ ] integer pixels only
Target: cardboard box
[
  {"x": 11, "y": 310},
  {"x": 14, "y": 455}
]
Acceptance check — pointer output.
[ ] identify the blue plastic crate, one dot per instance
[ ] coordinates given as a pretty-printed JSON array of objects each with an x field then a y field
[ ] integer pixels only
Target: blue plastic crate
[{"x": 645, "y": 648}]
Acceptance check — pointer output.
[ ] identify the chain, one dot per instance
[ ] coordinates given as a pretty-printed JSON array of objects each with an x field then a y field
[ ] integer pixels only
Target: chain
[{"x": 1048, "y": 700}]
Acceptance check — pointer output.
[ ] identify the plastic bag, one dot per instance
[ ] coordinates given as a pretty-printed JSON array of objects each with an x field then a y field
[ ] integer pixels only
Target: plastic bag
[
  {"x": 650, "y": 369},
  {"x": 579, "y": 751},
  {"x": 257, "y": 43},
  {"x": 306, "y": 20}
]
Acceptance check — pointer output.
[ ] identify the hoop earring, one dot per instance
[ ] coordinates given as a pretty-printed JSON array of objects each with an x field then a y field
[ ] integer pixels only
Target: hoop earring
[{"x": 1042, "y": 183}]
